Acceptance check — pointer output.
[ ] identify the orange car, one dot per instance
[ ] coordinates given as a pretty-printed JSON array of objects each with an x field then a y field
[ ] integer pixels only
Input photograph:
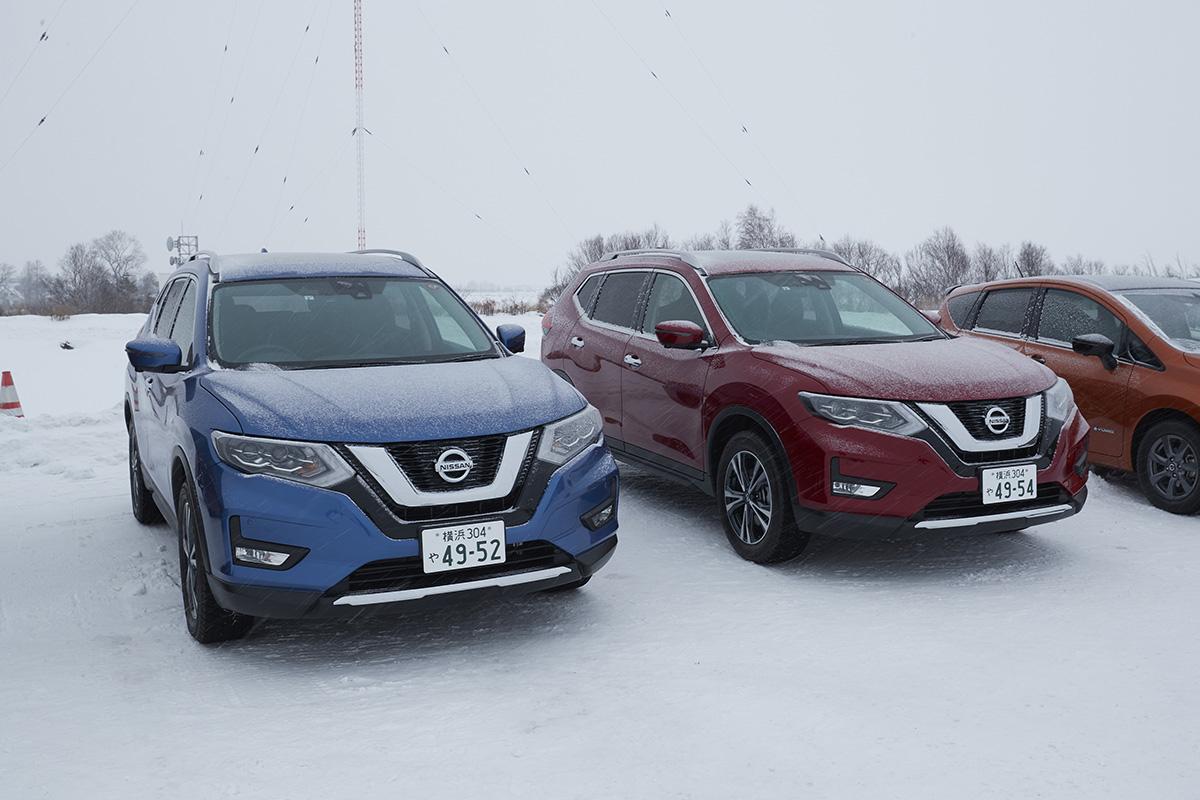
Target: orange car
[{"x": 1130, "y": 349}]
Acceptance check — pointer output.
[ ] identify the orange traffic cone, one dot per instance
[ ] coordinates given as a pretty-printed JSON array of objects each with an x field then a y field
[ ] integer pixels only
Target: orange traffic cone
[{"x": 9, "y": 402}]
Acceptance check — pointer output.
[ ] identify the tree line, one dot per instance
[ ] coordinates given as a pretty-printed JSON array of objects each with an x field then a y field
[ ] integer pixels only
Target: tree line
[
  {"x": 921, "y": 274},
  {"x": 107, "y": 275}
]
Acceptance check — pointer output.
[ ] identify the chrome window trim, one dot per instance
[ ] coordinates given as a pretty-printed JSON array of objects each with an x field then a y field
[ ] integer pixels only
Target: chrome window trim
[
  {"x": 949, "y": 423},
  {"x": 708, "y": 328},
  {"x": 388, "y": 474},
  {"x": 587, "y": 319}
]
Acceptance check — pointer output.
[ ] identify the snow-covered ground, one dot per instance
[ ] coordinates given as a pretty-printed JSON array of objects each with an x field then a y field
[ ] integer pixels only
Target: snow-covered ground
[{"x": 1058, "y": 663}]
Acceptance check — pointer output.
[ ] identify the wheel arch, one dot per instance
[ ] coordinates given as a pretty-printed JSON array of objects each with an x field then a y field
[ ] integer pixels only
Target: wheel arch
[
  {"x": 735, "y": 419},
  {"x": 1149, "y": 420}
]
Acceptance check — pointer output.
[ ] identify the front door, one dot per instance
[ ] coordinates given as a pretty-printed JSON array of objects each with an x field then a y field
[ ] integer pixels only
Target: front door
[
  {"x": 662, "y": 389},
  {"x": 1100, "y": 393}
]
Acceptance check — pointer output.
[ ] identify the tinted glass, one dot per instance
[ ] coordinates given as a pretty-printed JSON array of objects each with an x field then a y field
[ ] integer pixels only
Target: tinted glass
[
  {"x": 1174, "y": 312},
  {"x": 618, "y": 298},
  {"x": 670, "y": 300},
  {"x": 816, "y": 308},
  {"x": 1003, "y": 311},
  {"x": 183, "y": 332},
  {"x": 1066, "y": 315},
  {"x": 1137, "y": 350},
  {"x": 587, "y": 292},
  {"x": 960, "y": 307},
  {"x": 168, "y": 309},
  {"x": 331, "y": 322}
]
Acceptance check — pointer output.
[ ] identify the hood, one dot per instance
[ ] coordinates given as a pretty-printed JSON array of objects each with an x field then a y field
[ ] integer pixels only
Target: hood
[
  {"x": 409, "y": 402},
  {"x": 946, "y": 370}
]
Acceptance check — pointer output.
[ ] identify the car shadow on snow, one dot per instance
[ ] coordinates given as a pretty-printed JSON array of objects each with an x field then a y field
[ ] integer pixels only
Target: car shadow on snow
[{"x": 931, "y": 558}]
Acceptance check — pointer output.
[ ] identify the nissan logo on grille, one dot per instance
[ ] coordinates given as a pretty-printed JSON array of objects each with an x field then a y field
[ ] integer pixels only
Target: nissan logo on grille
[
  {"x": 997, "y": 420},
  {"x": 453, "y": 465}
]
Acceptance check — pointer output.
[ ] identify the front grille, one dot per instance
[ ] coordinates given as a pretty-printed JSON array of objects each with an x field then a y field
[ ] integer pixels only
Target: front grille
[
  {"x": 406, "y": 573},
  {"x": 973, "y": 414},
  {"x": 417, "y": 459},
  {"x": 970, "y": 504}
]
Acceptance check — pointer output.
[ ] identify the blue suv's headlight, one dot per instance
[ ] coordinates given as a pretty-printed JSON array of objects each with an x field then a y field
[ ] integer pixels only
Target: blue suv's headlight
[
  {"x": 304, "y": 462},
  {"x": 567, "y": 438}
]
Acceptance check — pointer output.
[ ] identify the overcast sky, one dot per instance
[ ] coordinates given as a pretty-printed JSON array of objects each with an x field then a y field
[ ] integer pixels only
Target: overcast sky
[{"x": 1074, "y": 124}]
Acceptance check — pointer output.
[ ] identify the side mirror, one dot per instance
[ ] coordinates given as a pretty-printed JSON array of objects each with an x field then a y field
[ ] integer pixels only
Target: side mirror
[
  {"x": 512, "y": 337},
  {"x": 1096, "y": 344},
  {"x": 154, "y": 355},
  {"x": 933, "y": 316},
  {"x": 678, "y": 334}
]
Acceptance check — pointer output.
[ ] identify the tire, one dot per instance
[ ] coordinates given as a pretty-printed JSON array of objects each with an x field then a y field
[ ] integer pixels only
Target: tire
[
  {"x": 206, "y": 621},
  {"x": 570, "y": 587},
  {"x": 754, "y": 501},
  {"x": 1168, "y": 466},
  {"x": 145, "y": 510}
]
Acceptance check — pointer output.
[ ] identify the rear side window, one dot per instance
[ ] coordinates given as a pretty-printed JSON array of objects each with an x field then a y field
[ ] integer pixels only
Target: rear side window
[
  {"x": 1003, "y": 311},
  {"x": 586, "y": 293},
  {"x": 183, "y": 332},
  {"x": 1066, "y": 315},
  {"x": 618, "y": 298},
  {"x": 960, "y": 307}
]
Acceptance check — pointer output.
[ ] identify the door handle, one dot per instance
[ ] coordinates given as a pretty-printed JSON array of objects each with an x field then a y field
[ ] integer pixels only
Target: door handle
[
  {"x": 633, "y": 361},
  {"x": 577, "y": 341},
  {"x": 1039, "y": 359}
]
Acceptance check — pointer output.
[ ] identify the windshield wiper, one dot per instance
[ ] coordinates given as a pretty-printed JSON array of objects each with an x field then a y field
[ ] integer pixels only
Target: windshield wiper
[{"x": 471, "y": 357}]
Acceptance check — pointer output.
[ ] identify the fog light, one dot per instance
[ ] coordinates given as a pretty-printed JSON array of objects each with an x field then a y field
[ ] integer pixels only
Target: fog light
[
  {"x": 601, "y": 516},
  {"x": 253, "y": 555},
  {"x": 846, "y": 488}
]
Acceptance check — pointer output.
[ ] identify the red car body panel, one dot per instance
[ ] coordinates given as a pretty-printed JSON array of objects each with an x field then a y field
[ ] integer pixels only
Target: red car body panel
[{"x": 667, "y": 411}]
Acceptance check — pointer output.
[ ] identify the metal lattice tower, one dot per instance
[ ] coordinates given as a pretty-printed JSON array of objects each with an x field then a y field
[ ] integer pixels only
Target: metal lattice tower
[{"x": 359, "y": 130}]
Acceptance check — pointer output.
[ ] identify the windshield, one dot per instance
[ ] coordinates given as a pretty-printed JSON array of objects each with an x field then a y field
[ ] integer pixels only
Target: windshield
[
  {"x": 818, "y": 308},
  {"x": 343, "y": 322},
  {"x": 1175, "y": 313}
]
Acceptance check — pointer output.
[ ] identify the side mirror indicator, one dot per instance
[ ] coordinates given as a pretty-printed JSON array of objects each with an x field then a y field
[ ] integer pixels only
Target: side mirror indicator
[{"x": 678, "y": 334}]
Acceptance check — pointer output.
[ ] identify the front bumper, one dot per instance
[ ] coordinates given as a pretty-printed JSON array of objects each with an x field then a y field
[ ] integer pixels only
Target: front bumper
[{"x": 339, "y": 538}]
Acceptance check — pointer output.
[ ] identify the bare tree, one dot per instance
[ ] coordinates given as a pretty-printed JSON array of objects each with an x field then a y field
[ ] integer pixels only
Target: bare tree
[
  {"x": 990, "y": 263},
  {"x": 81, "y": 282},
  {"x": 10, "y": 294},
  {"x": 591, "y": 249},
  {"x": 939, "y": 262},
  {"x": 1032, "y": 259},
  {"x": 758, "y": 228},
  {"x": 121, "y": 255},
  {"x": 32, "y": 285},
  {"x": 872, "y": 258},
  {"x": 1078, "y": 265}
]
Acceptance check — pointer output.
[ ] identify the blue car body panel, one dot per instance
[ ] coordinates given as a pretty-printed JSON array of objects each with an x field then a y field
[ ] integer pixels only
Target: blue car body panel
[{"x": 174, "y": 415}]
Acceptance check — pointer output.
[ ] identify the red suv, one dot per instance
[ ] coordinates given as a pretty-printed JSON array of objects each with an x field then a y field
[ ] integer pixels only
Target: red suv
[{"x": 809, "y": 398}]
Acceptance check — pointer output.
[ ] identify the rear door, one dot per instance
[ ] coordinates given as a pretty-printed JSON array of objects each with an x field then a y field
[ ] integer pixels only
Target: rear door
[
  {"x": 662, "y": 389},
  {"x": 1004, "y": 316},
  {"x": 1099, "y": 392},
  {"x": 597, "y": 344}
]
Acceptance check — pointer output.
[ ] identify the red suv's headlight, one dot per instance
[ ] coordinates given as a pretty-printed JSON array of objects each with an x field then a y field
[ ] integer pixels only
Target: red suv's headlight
[{"x": 887, "y": 416}]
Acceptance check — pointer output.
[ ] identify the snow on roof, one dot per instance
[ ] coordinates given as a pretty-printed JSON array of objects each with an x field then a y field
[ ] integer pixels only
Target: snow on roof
[{"x": 260, "y": 266}]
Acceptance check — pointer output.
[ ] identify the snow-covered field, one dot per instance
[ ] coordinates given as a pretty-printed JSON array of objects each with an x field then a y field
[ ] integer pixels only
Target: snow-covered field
[{"x": 1058, "y": 663}]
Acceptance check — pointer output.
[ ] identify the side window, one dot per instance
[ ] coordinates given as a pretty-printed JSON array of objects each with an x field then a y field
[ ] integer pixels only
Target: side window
[
  {"x": 671, "y": 300},
  {"x": 586, "y": 293},
  {"x": 1138, "y": 351},
  {"x": 960, "y": 307},
  {"x": 617, "y": 302},
  {"x": 168, "y": 309},
  {"x": 183, "y": 332},
  {"x": 1066, "y": 315},
  {"x": 1003, "y": 311}
]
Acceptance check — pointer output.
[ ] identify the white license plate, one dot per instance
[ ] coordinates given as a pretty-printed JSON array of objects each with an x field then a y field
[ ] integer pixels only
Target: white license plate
[
  {"x": 1009, "y": 484},
  {"x": 472, "y": 544}
]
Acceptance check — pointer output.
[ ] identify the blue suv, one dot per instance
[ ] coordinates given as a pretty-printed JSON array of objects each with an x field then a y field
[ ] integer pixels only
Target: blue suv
[{"x": 335, "y": 433}]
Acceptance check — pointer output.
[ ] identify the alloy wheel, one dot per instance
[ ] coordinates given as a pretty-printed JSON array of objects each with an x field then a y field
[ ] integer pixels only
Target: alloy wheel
[
  {"x": 1174, "y": 468},
  {"x": 748, "y": 497},
  {"x": 191, "y": 566}
]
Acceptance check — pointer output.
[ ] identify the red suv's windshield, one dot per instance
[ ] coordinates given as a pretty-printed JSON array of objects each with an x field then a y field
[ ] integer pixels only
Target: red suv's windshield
[{"x": 818, "y": 308}]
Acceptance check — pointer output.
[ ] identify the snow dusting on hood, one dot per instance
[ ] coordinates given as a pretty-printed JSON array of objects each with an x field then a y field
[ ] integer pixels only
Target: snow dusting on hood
[
  {"x": 946, "y": 370},
  {"x": 408, "y": 402}
]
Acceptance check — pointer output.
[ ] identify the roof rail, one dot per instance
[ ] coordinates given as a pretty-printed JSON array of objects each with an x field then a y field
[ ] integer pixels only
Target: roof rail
[
  {"x": 809, "y": 251},
  {"x": 400, "y": 254},
  {"x": 666, "y": 252}
]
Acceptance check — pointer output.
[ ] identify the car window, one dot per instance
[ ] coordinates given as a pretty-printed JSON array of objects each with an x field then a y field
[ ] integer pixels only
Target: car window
[
  {"x": 168, "y": 309},
  {"x": 1173, "y": 313},
  {"x": 960, "y": 307},
  {"x": 671, "y": 300},
  {"x": 183, "y": 331},
  {"x": 1003, "y": 311},
  {"x": 618, "y": 298},
  {"x": 587, "y": 292},
  {"x": 1066, "y": 315},
  {"x": 1139, "y": 351}
]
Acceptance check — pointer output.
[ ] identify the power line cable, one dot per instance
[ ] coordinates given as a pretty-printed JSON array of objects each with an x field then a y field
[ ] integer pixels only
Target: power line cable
[
  {"x": 495, "y": 123},
  {"x": 287, "y": 77},
  {"x": 324, "y": 172},
  {"x": 691, "y": 117},
  {"x": 44, "y": 37},
  {"x": 70, "y": 85}
]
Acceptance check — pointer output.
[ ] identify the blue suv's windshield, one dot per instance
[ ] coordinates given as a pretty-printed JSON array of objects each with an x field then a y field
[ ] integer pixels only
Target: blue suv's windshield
[{"x": 343, "y": 322}]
